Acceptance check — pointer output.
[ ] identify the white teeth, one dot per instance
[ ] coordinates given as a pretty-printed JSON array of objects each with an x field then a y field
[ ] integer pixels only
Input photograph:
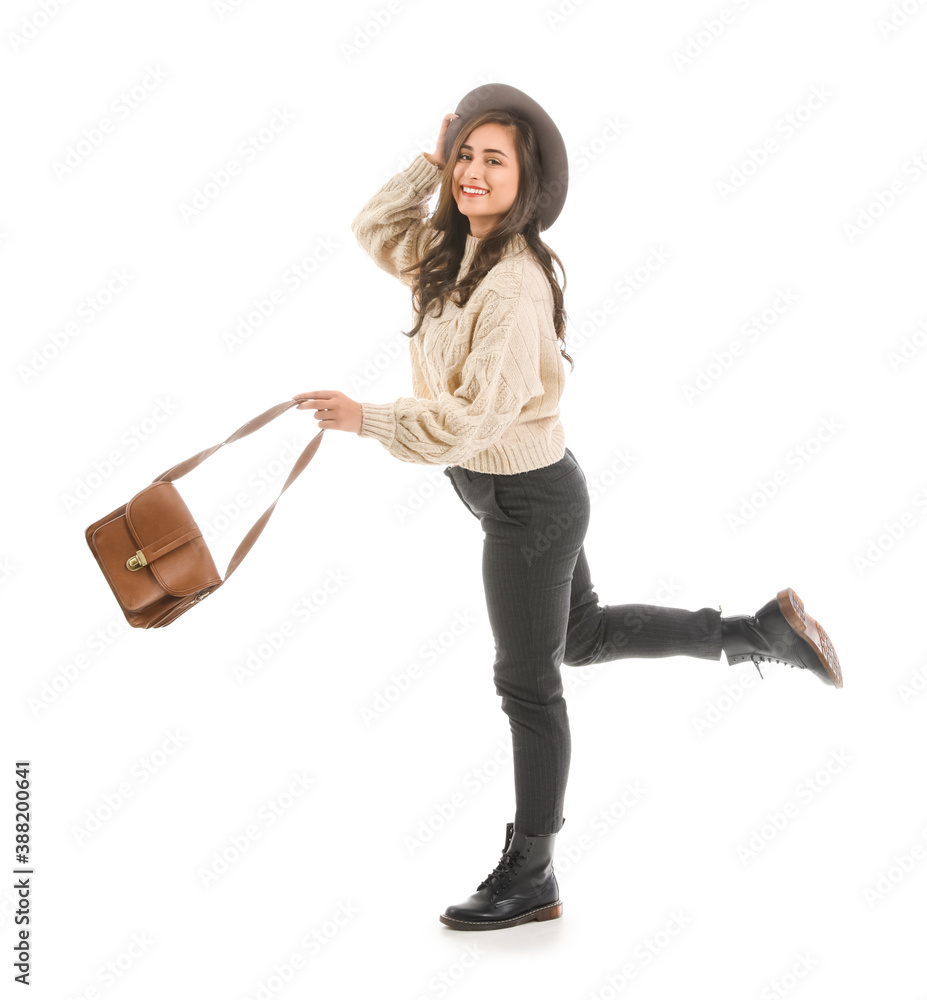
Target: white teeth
[{"x": 473, "y": 190}]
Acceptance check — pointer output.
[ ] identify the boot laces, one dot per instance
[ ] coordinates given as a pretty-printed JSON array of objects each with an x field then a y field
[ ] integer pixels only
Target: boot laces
[
  {"x": 757, "y": 658},
  {"x": 501, "y": 875}
]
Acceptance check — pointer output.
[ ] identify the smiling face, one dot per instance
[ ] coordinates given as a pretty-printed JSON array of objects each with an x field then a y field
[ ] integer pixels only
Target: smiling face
[{"x": 487, "y": 163}]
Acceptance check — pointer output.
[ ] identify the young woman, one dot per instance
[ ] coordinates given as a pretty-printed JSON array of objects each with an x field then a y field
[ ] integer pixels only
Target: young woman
[{"x": 487, "y": 375}]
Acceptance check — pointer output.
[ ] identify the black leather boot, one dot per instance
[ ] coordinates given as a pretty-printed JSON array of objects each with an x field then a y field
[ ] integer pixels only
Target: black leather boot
[
  {"x": 782, "y": 630},
  {"x": 520, "y": 888}
]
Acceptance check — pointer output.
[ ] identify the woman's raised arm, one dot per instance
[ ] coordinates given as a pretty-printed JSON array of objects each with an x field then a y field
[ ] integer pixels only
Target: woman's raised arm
[{"x": 391, "y": 227}]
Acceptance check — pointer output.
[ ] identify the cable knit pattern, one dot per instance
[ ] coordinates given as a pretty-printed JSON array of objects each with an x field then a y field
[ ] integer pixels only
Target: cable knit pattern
[{"x": 487, "y": 378}]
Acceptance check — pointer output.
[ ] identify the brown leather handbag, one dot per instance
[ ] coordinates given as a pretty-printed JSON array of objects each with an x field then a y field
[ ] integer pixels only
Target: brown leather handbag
[{"x": 152, "y": 553}]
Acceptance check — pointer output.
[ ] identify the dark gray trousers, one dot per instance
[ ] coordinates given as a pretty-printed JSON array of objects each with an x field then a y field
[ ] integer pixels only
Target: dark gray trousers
[{"x": 544, "y": 612}]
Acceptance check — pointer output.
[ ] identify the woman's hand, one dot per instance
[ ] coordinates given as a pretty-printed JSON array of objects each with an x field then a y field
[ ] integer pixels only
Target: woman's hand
[
  {"x": 437, "y": 157},
  {"x": 333, "y": 410}
]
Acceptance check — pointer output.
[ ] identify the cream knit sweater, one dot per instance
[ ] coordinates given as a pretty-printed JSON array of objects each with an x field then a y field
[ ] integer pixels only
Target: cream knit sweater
[{"x": 487, "y": 378}]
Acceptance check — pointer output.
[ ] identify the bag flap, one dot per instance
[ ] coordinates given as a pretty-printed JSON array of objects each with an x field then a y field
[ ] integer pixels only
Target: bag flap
[
  {"x": 153, "y": 514},
  {"x": 111, "y": 543}
]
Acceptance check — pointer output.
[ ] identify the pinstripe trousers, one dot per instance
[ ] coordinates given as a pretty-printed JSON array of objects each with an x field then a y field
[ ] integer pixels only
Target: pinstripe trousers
[{"x": 544, "y": 612}]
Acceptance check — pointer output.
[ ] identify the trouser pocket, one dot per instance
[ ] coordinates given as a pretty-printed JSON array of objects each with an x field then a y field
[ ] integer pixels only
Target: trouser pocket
[
  {"x": 484, "y": 495},
  {"x": 559, "y": 470},
  {"x": 449, "y": 472}
]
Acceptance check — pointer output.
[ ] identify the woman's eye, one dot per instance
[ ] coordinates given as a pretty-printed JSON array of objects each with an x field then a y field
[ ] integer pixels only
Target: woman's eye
[{"x": 492, "y": 159}]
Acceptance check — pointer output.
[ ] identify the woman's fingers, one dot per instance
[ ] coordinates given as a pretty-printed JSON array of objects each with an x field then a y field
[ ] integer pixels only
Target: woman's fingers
[
  {"x": 438, "y": 155},
  {"x": 333, "y": 409},
  {"x": 321, "y": 396}
]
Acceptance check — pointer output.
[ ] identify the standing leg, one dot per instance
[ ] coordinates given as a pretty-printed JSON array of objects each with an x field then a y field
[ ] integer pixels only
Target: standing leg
[
  {"x": 528, "y": 611},
  {"x": 528, "y": 604}
]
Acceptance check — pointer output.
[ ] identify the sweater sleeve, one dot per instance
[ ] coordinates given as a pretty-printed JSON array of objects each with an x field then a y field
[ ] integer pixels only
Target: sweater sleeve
[
  {"x": 390, "y": 227},
  {"x": 499, "y": 377}
]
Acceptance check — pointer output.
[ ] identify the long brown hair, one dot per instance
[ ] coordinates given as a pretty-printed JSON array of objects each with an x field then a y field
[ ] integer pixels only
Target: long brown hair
[{"x": 437, "y": 271}]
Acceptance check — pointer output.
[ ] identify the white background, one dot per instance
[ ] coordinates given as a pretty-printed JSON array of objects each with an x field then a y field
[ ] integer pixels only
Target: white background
[{"x": 400, "y": 816}]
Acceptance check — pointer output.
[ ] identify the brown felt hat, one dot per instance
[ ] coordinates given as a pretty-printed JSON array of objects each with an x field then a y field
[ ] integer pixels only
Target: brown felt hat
[{"x": 554, "y": 165}]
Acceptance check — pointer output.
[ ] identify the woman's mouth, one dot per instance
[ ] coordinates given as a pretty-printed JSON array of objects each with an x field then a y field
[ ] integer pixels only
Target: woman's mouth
[{"x": 472, "y": 192}]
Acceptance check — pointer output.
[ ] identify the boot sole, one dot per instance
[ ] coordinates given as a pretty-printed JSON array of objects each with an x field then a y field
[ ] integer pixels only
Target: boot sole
[
  {"x": 540, "y": 913},
  {"x": 793, "y": 610}
]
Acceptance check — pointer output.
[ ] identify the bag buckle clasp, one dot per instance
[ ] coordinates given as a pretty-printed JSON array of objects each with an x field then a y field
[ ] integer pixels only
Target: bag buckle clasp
[{"x": 136, "y": 562}]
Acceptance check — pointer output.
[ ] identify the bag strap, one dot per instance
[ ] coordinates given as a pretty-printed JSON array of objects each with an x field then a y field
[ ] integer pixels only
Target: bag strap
[{"x": 256, "y": 423}]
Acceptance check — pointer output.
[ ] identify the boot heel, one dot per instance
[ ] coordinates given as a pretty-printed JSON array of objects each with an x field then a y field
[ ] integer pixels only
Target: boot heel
[
  {"x": 793, "y": 610},
  {"x": 551, "y": 912}
]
